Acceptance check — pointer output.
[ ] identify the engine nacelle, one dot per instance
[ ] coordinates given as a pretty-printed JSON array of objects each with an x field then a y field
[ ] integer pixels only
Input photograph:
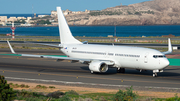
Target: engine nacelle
[{"x": 98, "y": 66}]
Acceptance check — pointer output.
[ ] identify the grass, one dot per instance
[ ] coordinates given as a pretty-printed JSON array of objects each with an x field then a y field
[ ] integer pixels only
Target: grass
[
  {"x": 95, "y": 39},
  {"x": 18, "y": 86},
  {"x": 121, "y": 95},
  {"x": 27, "y": 86},
  {"x": 89, "y": 39},
  {"x": 41, "y": 87},
  {"x": 72, "y": 95}
]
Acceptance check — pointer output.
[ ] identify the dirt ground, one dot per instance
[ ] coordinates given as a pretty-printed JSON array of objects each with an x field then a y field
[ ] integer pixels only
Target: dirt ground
[{"x": 85, "y": 90}]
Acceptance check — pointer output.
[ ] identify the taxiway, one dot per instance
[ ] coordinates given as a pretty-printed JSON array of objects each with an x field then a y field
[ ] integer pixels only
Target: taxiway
[{"x": 50, "y": 71}]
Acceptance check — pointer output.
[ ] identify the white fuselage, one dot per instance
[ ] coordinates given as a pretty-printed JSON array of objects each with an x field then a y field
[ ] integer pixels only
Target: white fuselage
[{"x": 123, "y": 56}]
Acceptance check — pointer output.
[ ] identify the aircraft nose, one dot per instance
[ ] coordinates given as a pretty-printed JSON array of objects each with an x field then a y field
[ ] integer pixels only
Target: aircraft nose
[{"x": 165, "y": 63}]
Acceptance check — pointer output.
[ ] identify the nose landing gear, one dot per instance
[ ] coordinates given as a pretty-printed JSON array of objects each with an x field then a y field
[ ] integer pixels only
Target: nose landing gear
[{"x": 155, "y": 72}]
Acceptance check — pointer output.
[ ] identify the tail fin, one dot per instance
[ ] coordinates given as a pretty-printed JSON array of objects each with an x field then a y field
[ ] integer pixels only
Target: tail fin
[{"x": 64, "y": 31}]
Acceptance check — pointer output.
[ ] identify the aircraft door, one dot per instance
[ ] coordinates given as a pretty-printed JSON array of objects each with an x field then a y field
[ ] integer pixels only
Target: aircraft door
[
  {"x": 107, "y": 56},
  {"x": 146, "y": 58}
]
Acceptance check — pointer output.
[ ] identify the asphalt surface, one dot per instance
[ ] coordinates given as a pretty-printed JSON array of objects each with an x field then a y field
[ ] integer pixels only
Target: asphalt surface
[{"x": 50, "y": 71}]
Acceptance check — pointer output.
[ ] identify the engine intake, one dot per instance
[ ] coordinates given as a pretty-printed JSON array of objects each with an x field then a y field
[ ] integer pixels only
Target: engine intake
[{"x": 98, "y": 66}]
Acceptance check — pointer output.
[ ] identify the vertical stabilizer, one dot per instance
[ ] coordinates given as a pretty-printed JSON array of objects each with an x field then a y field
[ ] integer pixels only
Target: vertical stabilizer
[{"x": 64, "y": 31}]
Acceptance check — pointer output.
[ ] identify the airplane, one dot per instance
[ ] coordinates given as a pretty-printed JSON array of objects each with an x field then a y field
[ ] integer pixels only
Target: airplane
[{"x": 101, "y": 57}]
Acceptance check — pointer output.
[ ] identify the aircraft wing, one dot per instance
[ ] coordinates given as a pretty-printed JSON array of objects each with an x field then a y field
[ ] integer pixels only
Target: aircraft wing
[
  {"x": 51, "y": 45},
  {"x": 60, "y": 58}
]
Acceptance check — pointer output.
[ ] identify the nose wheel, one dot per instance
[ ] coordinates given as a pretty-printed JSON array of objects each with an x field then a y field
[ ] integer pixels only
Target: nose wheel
[{"x": 154, "y": 74}]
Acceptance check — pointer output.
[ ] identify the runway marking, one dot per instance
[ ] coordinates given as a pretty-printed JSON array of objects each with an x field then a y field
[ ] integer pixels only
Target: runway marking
[
  {"x": 90, "y": 77},
  {"x": 149, "y": 76},
  {"x": 66, "y": 82}
]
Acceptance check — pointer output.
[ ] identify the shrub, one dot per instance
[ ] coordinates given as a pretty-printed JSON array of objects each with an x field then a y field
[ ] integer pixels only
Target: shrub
[
  {"x": 56, "y": 94},
  {"x": 27, "y": 86},
  {"x": 39, "y": 86},
  {"x": 44, "y": 87},
  {"x": 6, "y": 93},
  {"x": 10, "y": 83},
  {"x": 173, "y": 98},
  {"x": 22, "y": 85},
  {"x": 137, "y": 13},
  {"x": 71, "y": 92},
  {"x": 24, "y": 93},
  {"x": 64, "y": 98},
  {"x": 51, "y": 87},
  {"x": 127, "y": 95},
  {"x": 16, "y": 85},
  {"x": 30, "y": 96}
]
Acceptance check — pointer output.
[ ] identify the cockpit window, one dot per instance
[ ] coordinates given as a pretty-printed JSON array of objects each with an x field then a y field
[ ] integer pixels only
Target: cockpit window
[{"x": 159, "y": 56}]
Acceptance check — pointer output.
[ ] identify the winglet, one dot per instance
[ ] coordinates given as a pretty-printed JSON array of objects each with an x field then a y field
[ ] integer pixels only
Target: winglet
[
  {"x": 169, "y": 47},
  {"x": 10, "y": 47}
]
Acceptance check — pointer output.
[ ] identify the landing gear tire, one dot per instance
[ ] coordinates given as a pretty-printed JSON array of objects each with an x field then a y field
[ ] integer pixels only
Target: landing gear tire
[
  {"x": 92, "y": 72},
  {"x": 121, "y": 70},
  {"x": 154, "y": 74}
]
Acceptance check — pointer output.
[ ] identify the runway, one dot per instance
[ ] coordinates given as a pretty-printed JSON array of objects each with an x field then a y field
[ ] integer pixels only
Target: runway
[{"x": 48, "y": 70}]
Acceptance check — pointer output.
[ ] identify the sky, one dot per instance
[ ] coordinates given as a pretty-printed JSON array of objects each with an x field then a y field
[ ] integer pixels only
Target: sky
[{"x": 46, "y": 6}]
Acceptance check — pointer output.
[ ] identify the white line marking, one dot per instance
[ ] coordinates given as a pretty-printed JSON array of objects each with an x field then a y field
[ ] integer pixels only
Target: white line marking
[{"x": 92, "y": 84}]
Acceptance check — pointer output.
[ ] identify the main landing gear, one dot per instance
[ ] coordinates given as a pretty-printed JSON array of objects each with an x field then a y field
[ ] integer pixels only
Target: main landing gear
[
  {"x": 154, "y": 74},
  {"x": 120, "y": 70}
]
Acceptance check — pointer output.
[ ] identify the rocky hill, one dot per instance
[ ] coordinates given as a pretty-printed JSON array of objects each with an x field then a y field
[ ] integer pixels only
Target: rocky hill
[{"x": 153, "y": 12}]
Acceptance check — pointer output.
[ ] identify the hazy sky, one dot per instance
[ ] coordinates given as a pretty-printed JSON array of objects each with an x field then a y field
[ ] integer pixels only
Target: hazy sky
[{"x": 46, "y": 6}]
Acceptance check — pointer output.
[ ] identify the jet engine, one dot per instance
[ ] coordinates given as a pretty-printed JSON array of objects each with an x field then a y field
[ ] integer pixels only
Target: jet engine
[{"x": 98, "y": 66}]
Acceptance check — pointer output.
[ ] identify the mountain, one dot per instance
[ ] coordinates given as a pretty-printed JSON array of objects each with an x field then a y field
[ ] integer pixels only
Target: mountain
[{"x": 155, "y": 12}]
